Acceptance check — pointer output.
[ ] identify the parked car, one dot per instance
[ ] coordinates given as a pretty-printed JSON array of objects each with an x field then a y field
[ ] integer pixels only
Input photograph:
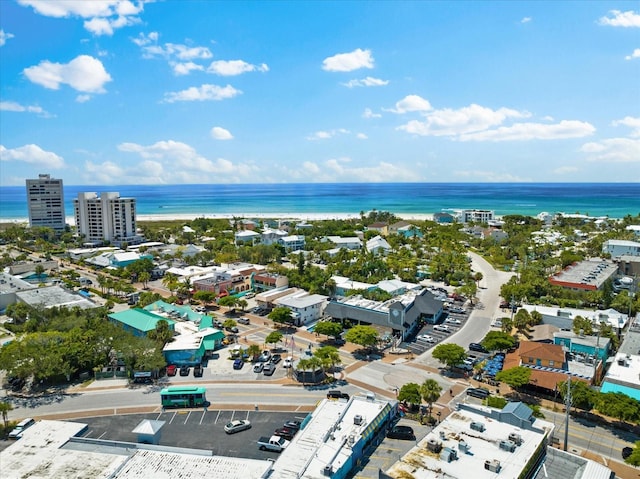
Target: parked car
[
  {"x": 198, "y": 371},
  {"x": 288, "y": 362},
  {"x": 337, "y": 394},
  {"x": 293, "y": 424},
  {"x": 184, "y": 370},
  {"x": 258, "y": 367},
  {"x": 276, "y": 358},
  {"x": 269, "y": 369},
  {"x": 401, "y": 432},
  {"x": 480, "y": 393},
  {"x": 233, "y": 329},
  {"x": 237, "y": 426},
  {"x": 441, "y": 327},
  {"x": 453, "y": 321},
  {"x": 285, "y": 432},
  {"x": 477, "y": 347},
  {"x": 172, "y": 369},
  {"x": 238, "y": 363},
  {"x": 265, "y": 356},
  {"x": 16, "y": 433},
  {"x": 457, "y": 309},
  {"x": 244, "y": 320}
]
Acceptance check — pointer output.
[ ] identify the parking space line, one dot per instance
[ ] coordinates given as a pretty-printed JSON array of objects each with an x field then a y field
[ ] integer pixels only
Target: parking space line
[
  {"x": 173, "y": 417},
  {"x": 204, "y": 413},
  {"x": 217, "y": 417},
  {"x": 187, "y": 418},
  {"x": 102, "y": 435}
]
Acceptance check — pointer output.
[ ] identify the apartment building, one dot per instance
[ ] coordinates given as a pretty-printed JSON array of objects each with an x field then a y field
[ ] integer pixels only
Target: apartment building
[
  {"x": 45, "y": 202},
  {"x": 106, "y": 218}
]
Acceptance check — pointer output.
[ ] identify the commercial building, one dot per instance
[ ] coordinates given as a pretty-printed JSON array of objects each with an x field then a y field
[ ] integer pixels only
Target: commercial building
[
  {"x": 10, "y": 285},
  {"x": 45, "y": 202},
  {"x": 488, "y": 443},
  {"x": 589, "y": 275},
  {"x": 305, "y": 308},
  {"x": 617, "y": 248},
  {"x": 138, "y": 321},
  {"x": 107, "y": 218}
]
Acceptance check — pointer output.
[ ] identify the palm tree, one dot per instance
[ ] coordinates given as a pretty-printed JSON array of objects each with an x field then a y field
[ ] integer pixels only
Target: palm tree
[
  {"x": 5, "y": 407},
  {"x": 430, "y": 391}
]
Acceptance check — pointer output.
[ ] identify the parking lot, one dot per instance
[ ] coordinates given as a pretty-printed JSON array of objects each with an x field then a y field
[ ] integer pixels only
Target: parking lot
[
  {"x": 430, "y": 335},
  {"x": 197, "y": 429}
]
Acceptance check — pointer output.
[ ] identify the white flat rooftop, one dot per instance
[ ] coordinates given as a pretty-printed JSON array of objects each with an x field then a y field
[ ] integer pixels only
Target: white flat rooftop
[{"x": 421, "y": 463}]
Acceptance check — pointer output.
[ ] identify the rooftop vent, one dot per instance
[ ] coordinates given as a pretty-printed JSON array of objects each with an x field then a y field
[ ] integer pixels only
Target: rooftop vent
[
  {"x": 327, "y": 470},
  {"x": 448, "y": 454},
  {"x": 463, "y": 447},
  {"x": 358, "y": 419}
]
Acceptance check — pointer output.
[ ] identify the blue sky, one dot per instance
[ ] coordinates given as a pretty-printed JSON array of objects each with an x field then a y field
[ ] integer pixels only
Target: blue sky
[{"x": 171, "y": 92}]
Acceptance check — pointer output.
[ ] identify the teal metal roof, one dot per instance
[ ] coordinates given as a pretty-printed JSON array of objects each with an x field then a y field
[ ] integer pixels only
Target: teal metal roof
[{"x": 139, "y": 319}]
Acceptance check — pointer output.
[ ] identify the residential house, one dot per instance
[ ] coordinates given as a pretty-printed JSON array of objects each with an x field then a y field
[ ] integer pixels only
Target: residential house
[
  {"x": 474, "y": 216},
  {"x": 378, "y": 245},
  {"x": 246, "y": 237},
  {"x": 270, "y": 236},
  {"x": 405, "y": 229},
  {"x": 292, "y": 242},
  {"x": 379, "y": 226},
  {"x": 443, "y": 218},
  {"x": 350, "y": 243},
  {"x": 617, "y": 248}
]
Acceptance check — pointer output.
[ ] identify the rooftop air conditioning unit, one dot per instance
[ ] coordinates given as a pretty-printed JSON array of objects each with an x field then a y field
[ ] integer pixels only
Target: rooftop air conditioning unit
[
  {"x": 463, "y": 446},
  {"x": 509, "y": 446},
  {"x": 516, "y": 438},
  {"x": 477, "y": 426},
  {"x": 434, "y": 446},
  {"x": 493, "y": 466},
  {"x": 358, "y": 419}
]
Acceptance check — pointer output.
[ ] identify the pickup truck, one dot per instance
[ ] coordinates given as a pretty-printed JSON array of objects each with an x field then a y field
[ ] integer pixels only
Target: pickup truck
[{"x": 274, "y": 443}]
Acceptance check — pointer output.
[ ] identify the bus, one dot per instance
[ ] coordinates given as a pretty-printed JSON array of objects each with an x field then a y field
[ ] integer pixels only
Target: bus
[{"x": 183, "y": 396}]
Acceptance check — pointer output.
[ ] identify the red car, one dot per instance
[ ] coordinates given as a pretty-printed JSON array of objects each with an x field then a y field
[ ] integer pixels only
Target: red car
[{"x": 172, "y": 369}]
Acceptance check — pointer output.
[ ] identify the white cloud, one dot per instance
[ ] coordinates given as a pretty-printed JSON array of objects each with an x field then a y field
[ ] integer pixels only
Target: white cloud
[
  {"x": 342, "y": 169},
  {"x": 635, "y": 54},
  {"x": 32, "y": 154},
  {"x": 17, "y": 107},
  {"x": 84, "y": 73},
  {"x": 526, "y": 20},
  {"x": 325, "y": 135},
  {"x": 368, "y": 81},
  {"x": 361, "y": 136},
  {"x": 176, "y": 162},
  {"x": 368, "y": 113},
  {"x": 411, "y": 103},
  {"x": 621, "y": 19},
  {"x": 533, "y": 131},
  {"x": 202, "y": 93},
  {"x": 83, "y": 98},
  {"x": 102, "y": 16},
  {"x": 448, "y": 122},
  {"x": 613, "y": 150},
  {"x": 143, "y": 39},
  {"x": 346, "y": 62},
  {"x": 631, "y": 122},
  {"x": 566, "y": 170},
  {"x": 4, "y": 36},
  {"x": 219, "y": 133},
  {"x": 176, "y": 51},
  {"x": 235, "y": 67},
  {"x": 185, "y": 68}
]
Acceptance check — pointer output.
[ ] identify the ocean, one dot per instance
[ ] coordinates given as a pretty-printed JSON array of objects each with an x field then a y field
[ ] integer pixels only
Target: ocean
[{"x": 615, "y": 200}]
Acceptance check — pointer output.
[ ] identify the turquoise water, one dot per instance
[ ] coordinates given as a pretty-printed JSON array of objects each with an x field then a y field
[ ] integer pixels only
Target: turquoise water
[{"x": 596, "y": 199}]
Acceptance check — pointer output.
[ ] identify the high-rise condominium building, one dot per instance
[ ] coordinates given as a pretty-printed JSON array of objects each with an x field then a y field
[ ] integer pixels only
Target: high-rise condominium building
[
  {"x": 45, "y": 202},
  {"x": 106, "y": 218}
]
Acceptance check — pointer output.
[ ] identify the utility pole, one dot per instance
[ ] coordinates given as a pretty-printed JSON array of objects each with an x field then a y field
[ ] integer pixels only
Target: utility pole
[{"x": 567, "y": 405}]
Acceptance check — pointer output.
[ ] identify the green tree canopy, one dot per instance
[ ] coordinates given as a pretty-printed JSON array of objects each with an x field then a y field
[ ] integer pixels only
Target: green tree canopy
[
  {"x": 498, "y": 341},
  {"x": 430, "y": 391},
  {"x": 410, "y": 394},
  {"x": 227, "y": 301},
  {"x": 366, "y": 336},
  {"x": 281, "y": 315},
  {"x": 273, "y": 337},
  {"x": 582, "y": 326},
  {"x": 634, "y": 458},
  {"x": 162, "y": 334},
  {"x": 330, "y": 328},
  {"x": 449, "y": 354},
  {"x": 582, "y": 396},
  {"x": 515, "y": 377}
]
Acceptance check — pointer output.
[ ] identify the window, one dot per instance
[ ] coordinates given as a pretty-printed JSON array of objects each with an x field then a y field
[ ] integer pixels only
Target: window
[
  {"x": 530, "y": 360},
  {"x": 551, "y": 363}
]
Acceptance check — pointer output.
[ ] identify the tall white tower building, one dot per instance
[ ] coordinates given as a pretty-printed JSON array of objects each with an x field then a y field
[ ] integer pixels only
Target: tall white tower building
[
  {"x": 45, "y": 202},
  {"x": 106, "y": 218}
]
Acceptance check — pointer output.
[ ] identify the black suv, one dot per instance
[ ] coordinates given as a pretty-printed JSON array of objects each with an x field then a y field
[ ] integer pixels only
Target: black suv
[
  {"x": 401, "y": 432},
  {"x": 480, "y": 393},
  {"x": 477, "y": 347},
  {"x": 184, "y": 370},
  {"x": 337, "y": 394}
]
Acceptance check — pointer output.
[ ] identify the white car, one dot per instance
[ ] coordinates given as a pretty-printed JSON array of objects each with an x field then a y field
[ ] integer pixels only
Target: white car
[
  {"x": 441, "y": 327},
  {"x": 427, "y": 338},
  {"x": 288, "y": 362},
  {"x": 453, "y": 321},
  {"x": 237, "y": 426}
]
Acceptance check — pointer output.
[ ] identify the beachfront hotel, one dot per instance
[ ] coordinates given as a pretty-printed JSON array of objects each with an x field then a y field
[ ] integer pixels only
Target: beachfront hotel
[
  {"x": 45, "y": 202},
  {"x": 107, "y": 218}
]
